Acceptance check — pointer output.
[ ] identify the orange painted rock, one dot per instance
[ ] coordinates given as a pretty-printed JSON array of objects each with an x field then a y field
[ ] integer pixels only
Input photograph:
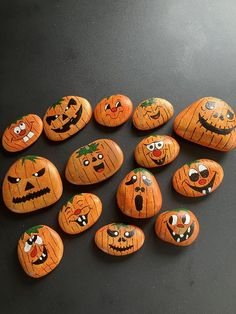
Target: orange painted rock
[
  {"x": 80, "y": 213},
  {"x": 198, "y": 178},
  {"x": 40, "y": 250},
  {"x": 66, "y": 117},
  {"x": 156, "y": 150},
  {"x": 94, "y": 162},
  {"x": 22, "y": 133},
  {"x": 209, "y": 122},
  {"x": 179, "y": 227},
  {"x": 31, "y": 183},
  {"x": 113, "y": 111},
  {"x": 139, "y": 195},
  {"x": 119, "y": 239},
  {"x": 152, "y": 113}
]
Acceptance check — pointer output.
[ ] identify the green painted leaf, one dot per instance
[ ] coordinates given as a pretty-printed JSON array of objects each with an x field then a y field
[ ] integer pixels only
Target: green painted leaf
[
  {"x": 179, "y": 209},
  {"x": 17, "y": 119},
  {"x": 88, "y": 149},
  {"x": 148, "y": 102},
  {"x": 57, "y": 103},
  {"x": 191, "y": 162},
  {"x": 32, "y": 158},
  {"x": 119, "y": 225},
  {"x": 136, "y": 170},
  {"x": 32, "y": 230}
]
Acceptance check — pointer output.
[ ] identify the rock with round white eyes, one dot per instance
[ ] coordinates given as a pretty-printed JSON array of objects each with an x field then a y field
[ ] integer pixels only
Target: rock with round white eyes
[
  {"x": 22, "y": 126},
  {"x": 151, "y": 146},
  {"x": 159, "y": 145},
  {"x": 202, "y": 167},
  {"x": 35, "y": 239},
  {"x": 173, "y": 219},
  {"x": 192, "y": 171},
  {"x": 17, "y": 130},
  {"x": 100, "y": 156}
]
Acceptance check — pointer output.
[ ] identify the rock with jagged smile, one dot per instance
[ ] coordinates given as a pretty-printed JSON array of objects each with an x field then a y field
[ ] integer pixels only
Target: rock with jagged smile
[
  {"x": 82, "y": 220},
  {"x": 206, "y": 189},
  {"x": 121, "y": 249},
  {"x": 182, "y": 236}
]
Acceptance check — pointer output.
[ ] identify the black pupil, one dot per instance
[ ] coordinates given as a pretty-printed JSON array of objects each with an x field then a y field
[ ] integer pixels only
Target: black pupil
[
  {"x": 184, "y": 219},
  {"x": 204, "y": 173},
  {"x": 171, "y": 220},
  {"x": 118, "y": 104},
  {"x": 151, "y": 147},
  {"x": 194, "y": 177}
]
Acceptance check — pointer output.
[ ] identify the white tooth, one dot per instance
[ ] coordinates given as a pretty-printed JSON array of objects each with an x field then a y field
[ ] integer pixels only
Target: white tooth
[
  {"x": 84, "y": 223},
  {"x": 79, "y": 219},
  {"x": 173, "y": 233},
  {"x": 30, "y": 134},
  {"x": 186, "y": 237},
  {"x": 181, "y": 236},
  {"x": 178, "y": 240},
  {"x": 25, "y": 138},
  {"x": 204, "y": 192},
  {"x": 83, "y": 217},
  {"x": 209, "y": 190},
  {"x": 40, "y": 258},
  {"x": 43, "y": 255},
  {"x": 189, "y": 229}
]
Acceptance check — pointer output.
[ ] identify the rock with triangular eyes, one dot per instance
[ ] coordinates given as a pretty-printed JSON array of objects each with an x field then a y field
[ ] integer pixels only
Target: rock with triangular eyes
[{"x": 198, "y": 178}]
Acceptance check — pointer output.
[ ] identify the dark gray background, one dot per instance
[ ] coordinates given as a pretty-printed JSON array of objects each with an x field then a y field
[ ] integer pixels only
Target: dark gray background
[{"x": 178, "y": 50}]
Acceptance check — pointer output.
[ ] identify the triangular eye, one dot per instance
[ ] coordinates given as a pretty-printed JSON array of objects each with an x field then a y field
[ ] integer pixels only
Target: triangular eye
[{"x": 72, "y": 102}]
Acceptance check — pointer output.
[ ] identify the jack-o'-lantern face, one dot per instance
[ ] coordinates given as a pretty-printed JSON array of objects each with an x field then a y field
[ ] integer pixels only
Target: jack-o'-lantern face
[
  {"x": 209, "y": 122},
  {"x": 152, "y": 113},
  {"x": 40, "y": 250},
  {"x": 198, "y": 178},
  {"x": 139, "y": 195},
  {"x": 119, "y": 239},
  {"x": 22, "y": 133},
  {"x": 113, "y": 111},
  {"x": 80, "y": 213},
  {"x": 66, "y": 117},
  {"x": 179, "y": 227},
  {"x": 156, "y": 151},
  {"x": 31, "y": 183}
]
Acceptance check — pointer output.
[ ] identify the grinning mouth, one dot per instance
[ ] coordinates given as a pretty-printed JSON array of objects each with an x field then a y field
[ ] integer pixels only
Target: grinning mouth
[
  {"x": 138, "y": 202},
  {"x": 82, "y": 220},
  {"x": 42, "y": 258},
  {"x": 121, "y": 249},
  {"x": 181, "y": 237},
  {"x": 214, "y": 129},
  {"x": 156, "y": 116},
  {"x": 159, "y": 162},
  {"x": 30, "y": 196},
  {"x": 99, "y": 168},
  {"x": 72, "y": 121},
  {"x": 207, "y": 189}
]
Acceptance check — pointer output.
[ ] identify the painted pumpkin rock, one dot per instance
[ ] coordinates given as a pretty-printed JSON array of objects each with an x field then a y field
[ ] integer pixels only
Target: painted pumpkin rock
[
  {"x": 40, "y": 250},
  {"x": 139, "y": 195},
  {"x": 179, "y": 227},
  {"x": 209, "y": 122},
  {"x": 31, "y": 183},
  {"x": 94, "y": 162},
  {"x": 119, "y": 239},
  {"x": 152, "y": 113},
  {"x": 80, "y": 213},
  {"x": 198, "y": 178},
  {"x": 66, "y": 117},
  {"x": 156, "y": 151},
  {"x": 22, "y": 133},
  {"x": 113, "y": 111}
]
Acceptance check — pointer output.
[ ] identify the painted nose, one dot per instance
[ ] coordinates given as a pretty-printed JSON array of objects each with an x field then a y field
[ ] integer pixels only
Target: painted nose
[
  {"x": 121, "y": 239},
  {"x": 157, "y": 153},
  {"x": 221, "y": 118},
  {"x": 29, "y": 186},
  {"x": 137, "y": 189},
  {"x": 64, "y": 117},
  {"x": 114, "y": 109},
  {"x": 202, "y": 181},
  {"x": 77, "y": 212},
  {"x": 94, "y": 159},
  {"x": 33, "y": 253},
  {"x": 180, "y": 225},
  {"x": 22, "y": 132}
]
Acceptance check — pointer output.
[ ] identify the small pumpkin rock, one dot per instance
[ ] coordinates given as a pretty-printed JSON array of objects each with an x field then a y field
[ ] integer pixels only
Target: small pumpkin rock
[
  {"x": 66, "y": 117},
  {"x": 156, "y": 150},
  {"x": 198, "y": 178},
  {"x": 139, "y": 195},
  {"x": 179, "y": 227},
  {"x": 22, "y": 133},
  {"x": 119, "y": 239},
  {"x": 152, "y": 113},
  {"x": 208, "y": 121},
  {"x": 40, "y": 250},
  {"x": 80, "y": 213},
  {"x": 31, "y": 183},
  {"x": 113, "y": 111},
  {"x": 94, "y": 162}
]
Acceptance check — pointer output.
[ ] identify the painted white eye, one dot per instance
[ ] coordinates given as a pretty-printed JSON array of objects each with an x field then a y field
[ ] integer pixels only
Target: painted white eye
[
  {"x": 17, "y": 130},
  {"x": 22, "y": 125},
  {"x": 144, "y": 177},
  {"x": 27, "y": 246},
  {"x": 186, "y": 219},
  {"x": 39, "y": 240},
  {"x": 151, "y": 146},
  {"x": 116, "y": 233},
  {"x": 202, "y": 168},
  {"x": 126, "y": 233},
  {"x": 159, "y": 145},
  {"x": 192, "y": 171},
  {"x": 86, "y": 162},
  {"x": 134, "y": 177},
  {"x": 100, "y": 156},
  {"x": 173, "y": 219}
]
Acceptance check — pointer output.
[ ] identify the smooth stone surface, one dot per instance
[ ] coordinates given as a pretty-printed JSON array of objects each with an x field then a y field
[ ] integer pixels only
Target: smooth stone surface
[
  {"x": 152, "y": 113},
  {"x": 80, "y": 213},
  {"x": 40, "y": 250},
  {"x": 119, "y": 239},
  {"x": 22, "y": 133},
  {"x": 209, "y": 122},
  {"x": 198, "y": 178},
  {"x": 139, "y": 195},
  {"x": 94, "y": 162},
  {"x": 156, "y": 151},
  {"x": 66, "y": 117},
  {"x": 113, "y": 111},
  {"x": 31, "y": 183},
  {"x": 179, "y": 227}
]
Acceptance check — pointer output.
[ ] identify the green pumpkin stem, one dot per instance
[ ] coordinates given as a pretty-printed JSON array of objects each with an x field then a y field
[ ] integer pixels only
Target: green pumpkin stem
[
  {"x": 88, "y": 149},
  {"x": 32, "y": 158},
  {"x": 57, "y": 103},
  {"x": 32, "y": 230},
  {"x": 148, "y": 102}
]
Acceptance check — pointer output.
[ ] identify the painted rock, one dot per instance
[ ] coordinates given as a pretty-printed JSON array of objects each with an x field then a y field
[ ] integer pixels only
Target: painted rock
[
  {"x": 119, "y": 239},
  {"x": 156, "y": 150},
  {"x": 31, "y": 183},
  {"x": 40, "y": 250},
  {"x": 179, "y": 227},
  {"x": 66, "y": 117},
  {"x": 198, "y": 178},
  {"x": 139, "y": 195},
  {"x": 209, "y": 122},
  {"x": 94, "y": 162},
  {"x": 152, "y": 113},
  {"x": 113, "y": 111},
  {"x": 80, "y": 213},
  {"x": 22, "y": 133}
]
